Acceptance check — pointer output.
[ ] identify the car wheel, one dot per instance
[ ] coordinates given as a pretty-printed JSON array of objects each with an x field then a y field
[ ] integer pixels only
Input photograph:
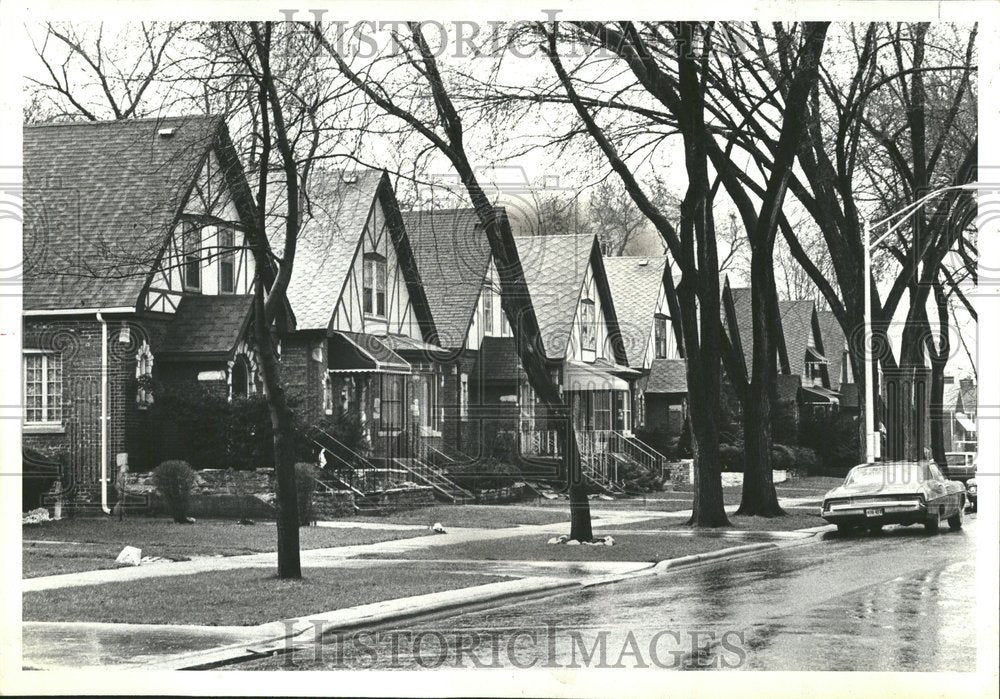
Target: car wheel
[
  {"x": 875, "y": 528},
  {"x": 955, "y": 521},
  {"x": 932, "y": 525},
  {"x": 845, "y": 529}
]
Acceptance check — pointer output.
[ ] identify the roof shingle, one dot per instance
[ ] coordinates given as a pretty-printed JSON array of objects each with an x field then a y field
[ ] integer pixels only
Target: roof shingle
[
  {"x": 100, "y": 199},
  {"x": 206, "y": 325},
  {"x": 554, "y": 268},
  {"x": 635, "y": 286},
  {"x": 327, "y": 242},
  {"x": 667, "y": 376},
  {"x": 452, "y": 255}
]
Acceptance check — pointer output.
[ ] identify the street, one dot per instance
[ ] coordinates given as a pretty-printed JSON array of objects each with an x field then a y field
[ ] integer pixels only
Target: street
[{"x": 899, "y": 600}]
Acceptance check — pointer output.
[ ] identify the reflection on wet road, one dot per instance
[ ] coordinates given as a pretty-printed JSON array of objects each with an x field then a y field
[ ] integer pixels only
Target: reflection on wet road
[{"x": 901, "y": 600}]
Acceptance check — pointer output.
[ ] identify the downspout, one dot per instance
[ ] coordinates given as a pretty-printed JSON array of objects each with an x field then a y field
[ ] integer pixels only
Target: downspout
[{"x": 104, "y": 413}]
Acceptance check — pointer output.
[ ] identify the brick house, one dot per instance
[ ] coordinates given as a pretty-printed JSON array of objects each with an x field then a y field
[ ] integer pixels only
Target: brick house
[
  {"x": 136, "y": 266},
  {"x": 803, "y": 380},
  {"x": 362, "y": 343},
  {"x": 639, "y": 288}
]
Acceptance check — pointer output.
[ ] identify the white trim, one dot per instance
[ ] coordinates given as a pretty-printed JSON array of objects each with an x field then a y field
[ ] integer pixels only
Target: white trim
[{"x": 78, "y": 311}]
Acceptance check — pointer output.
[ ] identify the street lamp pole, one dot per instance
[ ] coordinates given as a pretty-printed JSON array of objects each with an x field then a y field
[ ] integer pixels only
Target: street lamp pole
[{"x": 871, "y": 438}]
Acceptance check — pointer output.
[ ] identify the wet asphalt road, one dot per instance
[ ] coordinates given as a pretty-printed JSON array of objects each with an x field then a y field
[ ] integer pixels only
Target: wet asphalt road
[{"x": 899, "y": 600}]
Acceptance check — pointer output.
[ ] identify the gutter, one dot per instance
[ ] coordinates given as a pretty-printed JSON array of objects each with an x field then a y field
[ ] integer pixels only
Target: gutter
[{"x": 78, "y": 311}]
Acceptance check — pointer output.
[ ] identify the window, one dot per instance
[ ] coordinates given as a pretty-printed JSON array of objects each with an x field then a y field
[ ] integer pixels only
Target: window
[
  {"x": 660, "y": 335},
  {"x": 374, "y": 284},
  {"x": 227, "y": 262},
  {"x": 588, "y": 336},
  {"x": 640, "y": 408},
  {"x": 527, "y": 405},
  {"x": 463, "y": 397},
  {"x": 626, "y": 410},
  {"x": 487, "y": 308},
  {"x": 392, "y": 402},
  {"x": 191, "y": 268},
  {"x": 42, "y": 388},
  {"x": 327, "y": 396},
  {"x": 602, "y": 409},
  {"x": 143, "y": 374},
  {"x": 240, "y": 378}
]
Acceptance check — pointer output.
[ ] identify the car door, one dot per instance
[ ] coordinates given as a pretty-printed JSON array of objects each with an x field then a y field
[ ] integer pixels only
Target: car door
[{"x": 950, "y": 495}]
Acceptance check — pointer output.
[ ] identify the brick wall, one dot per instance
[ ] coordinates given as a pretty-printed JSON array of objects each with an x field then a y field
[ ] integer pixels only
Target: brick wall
[{"x": 78, "y": 342}]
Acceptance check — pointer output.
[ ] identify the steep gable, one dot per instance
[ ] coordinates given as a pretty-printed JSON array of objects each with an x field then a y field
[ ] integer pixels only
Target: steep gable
[
  {"x": 101, "y": 199},
  {"x": 354, "y": 214},
  {"x": 636, "y": 286},
  {"x": 452, "y": 254}
]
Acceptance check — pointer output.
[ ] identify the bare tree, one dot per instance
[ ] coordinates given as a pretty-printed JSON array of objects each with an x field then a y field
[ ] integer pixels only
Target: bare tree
[{"x": 443, "y": 129}]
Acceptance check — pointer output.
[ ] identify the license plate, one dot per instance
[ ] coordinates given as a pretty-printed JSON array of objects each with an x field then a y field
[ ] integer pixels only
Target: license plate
[{"x": 874, "y": 512}]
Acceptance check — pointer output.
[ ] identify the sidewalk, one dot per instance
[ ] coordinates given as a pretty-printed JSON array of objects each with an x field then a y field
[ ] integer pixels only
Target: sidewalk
[{"x": 50, "y": 645}]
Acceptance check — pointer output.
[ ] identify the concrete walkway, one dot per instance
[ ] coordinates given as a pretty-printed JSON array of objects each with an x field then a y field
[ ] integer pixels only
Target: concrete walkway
[
  {"x": 51, "y": 645},
  {"x": 312, "y": 557}
]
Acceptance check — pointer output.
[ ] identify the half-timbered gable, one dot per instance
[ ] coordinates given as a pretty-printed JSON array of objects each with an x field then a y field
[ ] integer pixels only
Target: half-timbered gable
[{"x": 133, "y": 229}]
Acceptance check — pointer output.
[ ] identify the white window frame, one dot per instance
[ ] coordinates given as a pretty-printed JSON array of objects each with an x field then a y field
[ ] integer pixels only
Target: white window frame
[
  {"x": 47, "y": 406},
  {"x": 143, "y": 367},
  {"x": 660, "y": 321},
  {"x": 190, "y": 231},
  {"x": 463, "y": 397},
  {"x": 227, "y": 256},
  {"x": 376, "y": 263},
  {"x": 588, "y": 326},
  {"x": 487, "y": 308}
]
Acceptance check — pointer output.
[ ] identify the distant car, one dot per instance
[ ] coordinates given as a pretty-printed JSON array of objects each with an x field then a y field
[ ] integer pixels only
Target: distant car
[
  {"x": 972, "y": 493},
  {"x": 896, "y": 492},
  {"x": 960, "y": 465}
]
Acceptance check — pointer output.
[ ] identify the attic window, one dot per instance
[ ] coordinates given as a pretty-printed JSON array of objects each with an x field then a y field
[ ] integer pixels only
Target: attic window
[
  {"x": 373, "y": 286},
  {"x": 191, "y": 267},
  {"x": 588, "y": 329},
  {"x": 660, "y": 335},
  {"x": 167, "y": 133},
  {"x": 643, "y": 263}
]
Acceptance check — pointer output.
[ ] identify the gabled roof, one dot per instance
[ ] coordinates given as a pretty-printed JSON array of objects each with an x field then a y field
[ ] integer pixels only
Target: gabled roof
[
  {"x": 796, "y": 327},
  {"x": 101, "y": 199},
  {"x": 667, "y": 376},
  {"x": 969, "y": 396},
  {"x": 834, "y": 343},
  {"x": 452, "y": 255},
  {"x": 635, "y": 285},
  {"x": 554, "y": 269},
  {"x": 206, "y": 327},
  {"x": 329, "y": 242}
]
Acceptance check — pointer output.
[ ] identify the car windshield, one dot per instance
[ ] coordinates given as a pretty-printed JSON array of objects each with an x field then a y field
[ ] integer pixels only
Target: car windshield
[
  {"x": 956, "y": 459},
  {"x": 887, "y": 473}
]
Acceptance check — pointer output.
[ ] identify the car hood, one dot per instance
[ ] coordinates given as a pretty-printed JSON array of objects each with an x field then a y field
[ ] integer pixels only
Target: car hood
[{"x": 863, "y": 490}]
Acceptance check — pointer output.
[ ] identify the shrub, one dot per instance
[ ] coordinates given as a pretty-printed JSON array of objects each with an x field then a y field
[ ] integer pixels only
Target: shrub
[
  {"x": 636, "y": 478},
  {"x": 805, "y": 460},
  {"x": 175, "y": 479},
  {"x": 485, "y": 474},
  {"x": 39, "y": 470},
  {"x": 834, "y": 439},
  {"x": 305, "y": 486},
  {"x": 731, "y": 457}
]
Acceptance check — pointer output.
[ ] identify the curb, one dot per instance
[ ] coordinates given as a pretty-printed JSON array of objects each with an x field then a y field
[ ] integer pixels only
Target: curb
[
  {"x": 711, "y": 556},
  {"x": 357, "y": 618}
]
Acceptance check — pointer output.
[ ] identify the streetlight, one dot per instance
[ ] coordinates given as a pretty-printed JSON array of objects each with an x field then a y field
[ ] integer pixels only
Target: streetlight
[{"x": 873, "y": 445}]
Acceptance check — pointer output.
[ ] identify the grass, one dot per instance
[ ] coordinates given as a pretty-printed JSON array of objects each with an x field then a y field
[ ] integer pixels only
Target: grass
[
  {"x": 796, "y": 519},
  {"x": 91, "y": 544},
  {"x": 482, "y": 516},
  {"x": 244, "y": 597},
  {"x": 629, "y": 547}
]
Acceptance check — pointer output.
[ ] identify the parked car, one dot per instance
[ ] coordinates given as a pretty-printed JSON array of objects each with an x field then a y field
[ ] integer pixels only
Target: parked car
[
  {"x": 896, "y": 492},
  {"x": 972, "y": 494},
  {"x": 960, "y": 465}
]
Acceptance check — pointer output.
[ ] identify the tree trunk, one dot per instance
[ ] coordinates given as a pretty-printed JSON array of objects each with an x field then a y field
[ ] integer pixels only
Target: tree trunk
[
  {"x": 938, "y": 415},
  {"x": 283, "y": 429}
]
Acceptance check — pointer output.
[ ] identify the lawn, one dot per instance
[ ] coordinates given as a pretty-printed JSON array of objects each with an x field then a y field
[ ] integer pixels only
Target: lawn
[
  {"x": 796, "y": 519},
  {"x": 90, "y": 544},
  {"x": 243, "y": 597},
  {"x": 482, "y": 516},
  {"x": 629, "y": 547}
]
